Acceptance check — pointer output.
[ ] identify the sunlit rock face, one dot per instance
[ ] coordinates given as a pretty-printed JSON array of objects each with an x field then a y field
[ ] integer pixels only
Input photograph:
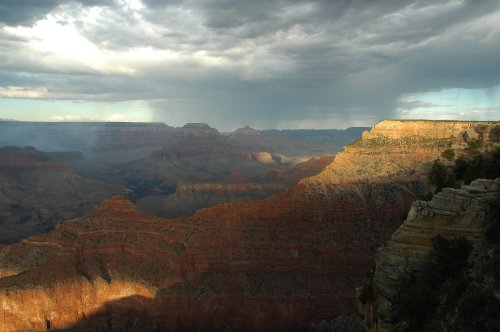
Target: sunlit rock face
[
  {"x": 290, "y": 260},
  {"x": 452, "y": 213},
  {"x": 400, "y": 150},
  {"x": 459, "y": 131}
]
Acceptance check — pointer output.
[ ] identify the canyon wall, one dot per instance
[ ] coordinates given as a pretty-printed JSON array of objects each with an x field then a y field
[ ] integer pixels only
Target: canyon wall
[
  {"x": 452, "y": 213},
  {"x": 458, "y": 131},
  {"x": 235, "y": 186},
  {"x": 291, "y": 260},
  {"x": 39, "y": 190},
  {"x": 399, "y": 150}
]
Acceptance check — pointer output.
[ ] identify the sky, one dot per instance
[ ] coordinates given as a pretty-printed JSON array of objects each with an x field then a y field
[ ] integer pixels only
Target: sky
[{"x": 263, "y": 63}]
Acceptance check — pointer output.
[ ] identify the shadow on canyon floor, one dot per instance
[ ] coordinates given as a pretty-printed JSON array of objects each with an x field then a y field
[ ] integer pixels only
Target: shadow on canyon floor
[{"x": 218, "y": 301}]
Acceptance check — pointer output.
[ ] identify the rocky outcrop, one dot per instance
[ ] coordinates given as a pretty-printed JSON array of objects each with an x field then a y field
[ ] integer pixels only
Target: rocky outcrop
[
  {"x": 452, "y": 213},
  {"x": 457, "y": 131},
  {"x": 263, "y": 157}
]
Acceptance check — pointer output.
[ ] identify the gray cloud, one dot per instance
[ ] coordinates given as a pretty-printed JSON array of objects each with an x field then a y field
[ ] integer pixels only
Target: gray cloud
[
  {"x": 14, "y": 12},
  {"x": 25, "y": 12},
  {"x": 266, "y": 63}
]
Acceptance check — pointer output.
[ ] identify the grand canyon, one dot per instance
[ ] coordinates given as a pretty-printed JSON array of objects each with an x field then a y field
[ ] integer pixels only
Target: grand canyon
[
  {"x": 156, "y": 228},
  {"x": 225, "y": 165}
]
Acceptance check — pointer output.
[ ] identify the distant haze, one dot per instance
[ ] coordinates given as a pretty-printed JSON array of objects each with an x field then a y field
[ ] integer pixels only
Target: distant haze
[{"x": 268, "y": 64}]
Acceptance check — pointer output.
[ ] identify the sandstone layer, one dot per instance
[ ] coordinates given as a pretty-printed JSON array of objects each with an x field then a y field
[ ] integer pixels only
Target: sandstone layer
[
  {"x": 401, "y": 150},
  {"x": 288, "y": 261}
]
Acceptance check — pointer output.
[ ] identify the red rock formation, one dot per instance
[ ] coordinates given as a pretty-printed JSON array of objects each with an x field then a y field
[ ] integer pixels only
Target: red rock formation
[
  {"x": 258, "y": 264},
  {"x": 290, "y": 260}
]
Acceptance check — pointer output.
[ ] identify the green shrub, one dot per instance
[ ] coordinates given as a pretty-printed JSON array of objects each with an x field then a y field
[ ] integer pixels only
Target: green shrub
[
  {"x": 448, "y": 154},
  {"x": 440, "y": 177},
  {"x": 481, "y": 166},
  {"x": 476, "y": 144},
  {"x": 449, "y": 257},
  {"x": 475, "y": 169}
]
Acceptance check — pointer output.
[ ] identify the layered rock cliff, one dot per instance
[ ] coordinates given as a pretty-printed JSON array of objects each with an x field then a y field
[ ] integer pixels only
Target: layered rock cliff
[
  {"x": 190, "y": 197},
  {"x": 245, "y": 267},
  {"x": 288, "y": 261},
  {"x": 236, "y": 186},
  {"x": 452, "y": 213},
  {"x": 33, "y": 176},
  {"x": 457, "y": 131},
  {"x": 38, "y": 190},
  {"x": 401, "y": 150}
]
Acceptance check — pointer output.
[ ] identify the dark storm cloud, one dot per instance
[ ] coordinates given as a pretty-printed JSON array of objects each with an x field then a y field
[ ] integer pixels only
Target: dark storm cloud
[
  {"x": 20, "y": 12},
  {"x": 266, "y": 62},
  {"x": 25, "y": 12},
  {"x": 354, "y": 57}
]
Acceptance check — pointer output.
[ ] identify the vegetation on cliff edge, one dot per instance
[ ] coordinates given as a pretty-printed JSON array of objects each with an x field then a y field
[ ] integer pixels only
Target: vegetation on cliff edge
[
  {"x": 455, "y": 291},
  {"x": 464, "y": 170}
]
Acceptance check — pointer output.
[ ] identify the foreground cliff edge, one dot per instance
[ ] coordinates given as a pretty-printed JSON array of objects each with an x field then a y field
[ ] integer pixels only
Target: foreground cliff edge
[
  {"x": 288, "y": 261},
  {"x": 463, "y": 224}
]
